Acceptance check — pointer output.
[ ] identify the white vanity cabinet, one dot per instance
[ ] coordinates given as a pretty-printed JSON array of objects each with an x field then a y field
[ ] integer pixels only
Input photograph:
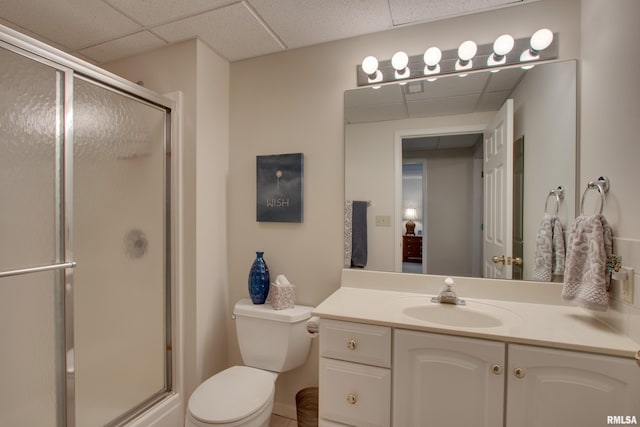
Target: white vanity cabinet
[
  {"x": 355, "y": 374},
  {"x": 456, "y": 381},
  {"x": 559, "y": 388},
  {"x": 442, "y": 380}
]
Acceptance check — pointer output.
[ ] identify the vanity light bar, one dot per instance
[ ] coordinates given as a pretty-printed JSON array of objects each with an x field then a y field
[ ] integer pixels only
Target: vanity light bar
[{"x": 506, "y": 51}]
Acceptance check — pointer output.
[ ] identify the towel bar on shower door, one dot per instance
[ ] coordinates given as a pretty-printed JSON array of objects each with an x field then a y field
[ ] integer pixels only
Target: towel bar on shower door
[{"x": 28, "y": 270}]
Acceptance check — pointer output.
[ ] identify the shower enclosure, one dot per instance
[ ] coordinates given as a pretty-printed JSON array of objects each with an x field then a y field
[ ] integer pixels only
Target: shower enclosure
[{"x": 85, "y": 260}]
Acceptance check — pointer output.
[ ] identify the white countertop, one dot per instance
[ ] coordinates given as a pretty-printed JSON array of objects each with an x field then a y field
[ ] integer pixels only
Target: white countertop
[{"x": 550, "y": 325}]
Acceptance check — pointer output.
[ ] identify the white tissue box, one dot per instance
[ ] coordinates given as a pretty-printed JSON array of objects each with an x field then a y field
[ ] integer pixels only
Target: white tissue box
[{"x": 282, "y": 296}]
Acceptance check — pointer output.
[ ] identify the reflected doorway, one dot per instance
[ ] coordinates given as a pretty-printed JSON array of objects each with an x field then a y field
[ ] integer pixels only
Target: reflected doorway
[
  {"x": 442, "y": 179},
  {"x": 413, "y": 195}
]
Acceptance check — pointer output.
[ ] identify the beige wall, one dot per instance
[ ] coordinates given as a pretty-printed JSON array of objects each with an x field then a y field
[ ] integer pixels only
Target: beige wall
[
  {"x": 610, "y": 107},
  {"x": 545, "y": 113},
  {"x": 293, "y": 102},
  {"x": 203, "y": 78},
  {"x": 211, "y": 220}
]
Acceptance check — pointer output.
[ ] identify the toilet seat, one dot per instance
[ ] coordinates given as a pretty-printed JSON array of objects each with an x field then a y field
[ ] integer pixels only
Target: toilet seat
[{"x": 231, "y": 395}]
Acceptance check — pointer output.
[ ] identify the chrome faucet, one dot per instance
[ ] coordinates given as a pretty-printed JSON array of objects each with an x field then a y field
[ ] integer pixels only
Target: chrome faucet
[{"x": 448, "y": 296}]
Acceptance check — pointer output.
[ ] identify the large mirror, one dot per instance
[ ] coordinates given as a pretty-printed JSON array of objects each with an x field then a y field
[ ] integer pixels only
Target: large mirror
[{"x": 419, "y": 155}]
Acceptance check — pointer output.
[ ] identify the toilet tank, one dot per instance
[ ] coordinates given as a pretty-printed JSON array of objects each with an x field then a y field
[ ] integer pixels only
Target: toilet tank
[{"x": 275, "y": 340}]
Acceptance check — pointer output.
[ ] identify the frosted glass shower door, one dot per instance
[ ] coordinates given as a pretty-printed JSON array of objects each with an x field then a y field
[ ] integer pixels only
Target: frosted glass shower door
[
  {"x": 31, "y": 359},
  {"x": 120, "y": 235}
]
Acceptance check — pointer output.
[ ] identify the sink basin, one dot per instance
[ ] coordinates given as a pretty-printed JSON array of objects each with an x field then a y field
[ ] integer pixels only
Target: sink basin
[{"x": 462, "y": 316}]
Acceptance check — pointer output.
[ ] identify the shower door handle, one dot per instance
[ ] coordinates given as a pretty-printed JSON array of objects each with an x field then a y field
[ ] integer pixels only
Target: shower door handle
[{"x": 28, "y": 270}]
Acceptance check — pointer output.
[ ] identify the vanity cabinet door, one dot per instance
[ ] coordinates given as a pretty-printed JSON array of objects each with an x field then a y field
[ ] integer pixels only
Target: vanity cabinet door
[
  {"x": 441, "y": 380},
  {"x": 559, "y": 388}
]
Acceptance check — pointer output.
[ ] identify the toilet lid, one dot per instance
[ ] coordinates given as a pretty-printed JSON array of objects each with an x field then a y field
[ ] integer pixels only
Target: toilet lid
[{"x": 231, "y": 395}]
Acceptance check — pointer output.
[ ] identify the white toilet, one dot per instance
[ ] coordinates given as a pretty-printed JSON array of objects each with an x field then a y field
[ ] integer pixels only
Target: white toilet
[{"x": 271, "y": 341}]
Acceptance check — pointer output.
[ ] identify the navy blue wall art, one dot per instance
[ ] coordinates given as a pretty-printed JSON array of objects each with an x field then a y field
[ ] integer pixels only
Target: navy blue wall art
[{"x": 279, "y": 187}]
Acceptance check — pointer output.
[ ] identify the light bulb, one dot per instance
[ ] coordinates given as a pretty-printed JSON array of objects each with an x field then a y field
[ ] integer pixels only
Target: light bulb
[
  {"x": 503, "y": 45},
  {"x": 467, "y": 50},
  {"x": 399, "y": 61},
  {"x": 541, "y": 39},
  {"x": 529, "y": 55},
  {"x": 432, "y": 56},
  {"x": 370, "y": 65}
]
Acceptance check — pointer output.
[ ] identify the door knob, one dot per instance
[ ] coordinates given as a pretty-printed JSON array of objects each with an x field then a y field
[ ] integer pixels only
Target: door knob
[
  {"x": 498, "y": 259},
  {"x": 517, "y": 261}
]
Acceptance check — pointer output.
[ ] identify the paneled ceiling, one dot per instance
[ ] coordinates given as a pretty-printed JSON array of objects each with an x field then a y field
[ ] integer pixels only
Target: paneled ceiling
[
  {"x": 106, "y": 30},
  {"x": 448, "y": 95}
]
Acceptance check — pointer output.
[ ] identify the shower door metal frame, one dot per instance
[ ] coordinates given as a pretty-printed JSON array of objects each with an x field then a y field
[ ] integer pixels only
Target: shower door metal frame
[
  {"x": 63, "y": 252},
  {"x": 70, "y": 68}
]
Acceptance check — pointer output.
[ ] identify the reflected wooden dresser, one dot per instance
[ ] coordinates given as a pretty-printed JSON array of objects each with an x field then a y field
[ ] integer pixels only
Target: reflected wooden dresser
[{"x": 411, "y": 248}]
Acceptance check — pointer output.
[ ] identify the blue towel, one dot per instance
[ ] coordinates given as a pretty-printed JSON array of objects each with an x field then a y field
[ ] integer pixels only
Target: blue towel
[{"x": 359, "y": 234}]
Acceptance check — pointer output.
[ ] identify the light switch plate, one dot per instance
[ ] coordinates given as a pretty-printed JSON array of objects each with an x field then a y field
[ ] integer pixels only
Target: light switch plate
[{"x": 383, "y": 220}]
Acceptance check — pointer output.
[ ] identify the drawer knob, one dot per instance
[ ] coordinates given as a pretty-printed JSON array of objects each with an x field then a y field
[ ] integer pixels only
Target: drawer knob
[
  {"x": 352, "y": 344},
  {"x": 352, "y": 399},
  {"x": 518, "y": 372},
  {"x": 496, "y": 369}
]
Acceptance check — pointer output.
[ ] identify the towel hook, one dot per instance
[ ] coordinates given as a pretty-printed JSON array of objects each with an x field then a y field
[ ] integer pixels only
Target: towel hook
[
  {"x": 602, "y": 186},
  {"x": 559, "y": 195}
]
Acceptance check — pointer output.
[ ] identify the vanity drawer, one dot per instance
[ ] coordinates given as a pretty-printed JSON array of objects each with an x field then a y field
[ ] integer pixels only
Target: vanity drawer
[
  {"x": 356, "y": 342},
  {"x": 354, "y": 394}
]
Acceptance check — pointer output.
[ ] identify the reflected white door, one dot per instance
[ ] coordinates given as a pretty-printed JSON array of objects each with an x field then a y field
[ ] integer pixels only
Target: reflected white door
[{"x": 498, "y": 194}]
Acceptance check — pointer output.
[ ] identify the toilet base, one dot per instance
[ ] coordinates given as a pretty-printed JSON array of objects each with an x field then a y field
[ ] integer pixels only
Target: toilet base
[{"x": 259, "y": 418}]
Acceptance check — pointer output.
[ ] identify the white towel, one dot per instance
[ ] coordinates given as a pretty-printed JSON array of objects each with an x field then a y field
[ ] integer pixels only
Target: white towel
[
  {"x": 550, "y": 254},
  {"x": 586, "y": 279}
]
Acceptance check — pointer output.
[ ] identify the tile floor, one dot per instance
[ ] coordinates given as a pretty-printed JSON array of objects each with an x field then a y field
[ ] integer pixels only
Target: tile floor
[{"x": 278, "y": 421}]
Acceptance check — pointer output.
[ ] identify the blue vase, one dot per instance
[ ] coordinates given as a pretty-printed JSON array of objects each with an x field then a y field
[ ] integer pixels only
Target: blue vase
[{"x": 259, "y": 280}]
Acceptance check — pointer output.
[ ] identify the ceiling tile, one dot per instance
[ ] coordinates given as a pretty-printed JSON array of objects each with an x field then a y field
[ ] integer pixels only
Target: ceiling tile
[
  {"x": 410, "y": 11},
  {"x": 73, "y": 24},
  {"x": 492, "y": 101},
  {"x": 306, "y": 22},
  {"x": 151, "y": 12},
  {"x": 451, "y": 85},
  {"x": 31, "y": 34},
  {"x": 375, "y": 113},
  {"x": 121, "y": 48},
  {"x": 505, "y": 79},
  {"x": 387, "y": 94},
  {"x": 232, "y": 31},
  {"x": 443, "y": 107}
]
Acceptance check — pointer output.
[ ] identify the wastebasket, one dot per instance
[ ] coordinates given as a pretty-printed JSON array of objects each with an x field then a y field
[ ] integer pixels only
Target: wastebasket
[{"x": 307, "y": 407}]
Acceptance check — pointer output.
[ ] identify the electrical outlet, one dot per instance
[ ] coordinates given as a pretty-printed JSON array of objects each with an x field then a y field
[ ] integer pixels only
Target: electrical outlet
[
  {"x": 383, "y": 221},
  {"x": 627, "y": 286},
  {"x": 622, "y": 287}
]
